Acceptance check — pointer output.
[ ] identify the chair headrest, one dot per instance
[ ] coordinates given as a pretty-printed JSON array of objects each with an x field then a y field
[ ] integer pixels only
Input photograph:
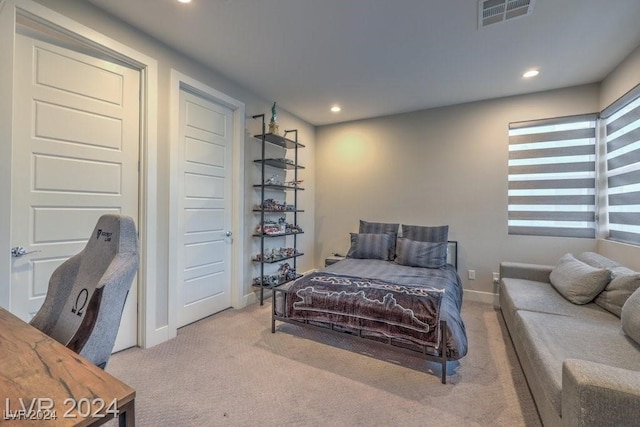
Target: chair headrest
[{"x": 113, "y": 234}]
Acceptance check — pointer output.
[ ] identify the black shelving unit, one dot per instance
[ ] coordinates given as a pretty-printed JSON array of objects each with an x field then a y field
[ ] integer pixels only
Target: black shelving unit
[{"x": 289, "y": 142}]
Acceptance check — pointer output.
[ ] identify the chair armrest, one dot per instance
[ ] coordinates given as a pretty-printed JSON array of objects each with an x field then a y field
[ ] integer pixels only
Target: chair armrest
[
  {"x": 519, "y": 270},
  {"x": 594, "y": 394}
]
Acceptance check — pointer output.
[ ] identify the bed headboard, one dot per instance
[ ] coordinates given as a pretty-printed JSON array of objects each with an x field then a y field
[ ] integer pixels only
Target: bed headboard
[{"x": 452, "y": 253}]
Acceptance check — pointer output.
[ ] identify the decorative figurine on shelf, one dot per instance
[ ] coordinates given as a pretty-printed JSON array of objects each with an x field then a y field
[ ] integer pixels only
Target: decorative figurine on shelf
[
  {"x": 273, "y": 180},
  {"x": 273, "y": 124},
  {"x": 294, "y": 183}
]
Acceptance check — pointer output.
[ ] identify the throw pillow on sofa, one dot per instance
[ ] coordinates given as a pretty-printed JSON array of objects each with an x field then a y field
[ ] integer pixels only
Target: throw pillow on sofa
[
  {"x": 631, "y": 316},
  {"x": 596, "y": 260},
  {"x": 624, "y": 282},
  {"x": 578, "y": 282}
]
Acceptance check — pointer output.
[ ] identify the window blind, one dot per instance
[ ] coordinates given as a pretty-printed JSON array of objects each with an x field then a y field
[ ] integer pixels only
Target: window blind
[
  {"x": 552, "y": 177},
  {"x": 622, "y": 130}
]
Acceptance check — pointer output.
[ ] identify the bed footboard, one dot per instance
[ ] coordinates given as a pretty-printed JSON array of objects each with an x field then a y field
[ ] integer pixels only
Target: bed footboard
[{"x": 439, "y": 355}]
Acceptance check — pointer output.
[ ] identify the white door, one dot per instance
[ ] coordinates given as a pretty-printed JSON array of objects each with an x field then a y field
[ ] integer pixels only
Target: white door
[
  {"x": 75, "y": 157},
  {"x": 204, "y": 219}
]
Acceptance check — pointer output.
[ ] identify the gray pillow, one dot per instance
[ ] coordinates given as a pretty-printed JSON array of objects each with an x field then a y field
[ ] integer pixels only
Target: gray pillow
[
  {"x": 631, "y": 316},
  {"x": 421, "y": 254},
  {"x": 596, "y": 260},
  {"x": 426, "y": 234},
  {"x": 370, "y": 246},
  {"x": 578, "y": 282},
  {"x": 378, "y": 227},
  {"x": 381, "y": 228},
  {"x": 624, "y": 282}
]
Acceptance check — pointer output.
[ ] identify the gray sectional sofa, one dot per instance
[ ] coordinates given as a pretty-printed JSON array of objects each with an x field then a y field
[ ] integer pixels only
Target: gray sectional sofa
[{"x": 576, "y": 330}]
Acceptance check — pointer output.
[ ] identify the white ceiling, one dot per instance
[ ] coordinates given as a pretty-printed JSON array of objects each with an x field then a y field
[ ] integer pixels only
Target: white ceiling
[{"x": 380, "y": 57}]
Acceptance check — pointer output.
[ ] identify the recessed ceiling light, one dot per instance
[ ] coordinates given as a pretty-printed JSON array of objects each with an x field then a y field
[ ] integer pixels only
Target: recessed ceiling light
[
  {"x": 530, "y": 73},
  {"x": 184, "y": 1},
  {"x": 335, "y": 109}
]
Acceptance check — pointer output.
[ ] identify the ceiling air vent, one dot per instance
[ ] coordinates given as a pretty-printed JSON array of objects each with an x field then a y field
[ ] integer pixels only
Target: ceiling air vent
[{"x": 494, "y": 11}]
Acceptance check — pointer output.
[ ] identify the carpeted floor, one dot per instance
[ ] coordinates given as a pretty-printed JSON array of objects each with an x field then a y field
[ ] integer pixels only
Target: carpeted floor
[{"x": 230, "y": 370}]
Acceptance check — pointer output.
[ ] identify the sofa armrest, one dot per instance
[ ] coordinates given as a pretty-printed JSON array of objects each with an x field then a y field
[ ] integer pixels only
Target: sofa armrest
[
  {"x": 594, "y": 394},
  {"x": 519, "y": 270}
]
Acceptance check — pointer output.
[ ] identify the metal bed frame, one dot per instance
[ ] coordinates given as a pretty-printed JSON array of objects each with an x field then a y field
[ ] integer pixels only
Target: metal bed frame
[{"x": 415, "y": 349}]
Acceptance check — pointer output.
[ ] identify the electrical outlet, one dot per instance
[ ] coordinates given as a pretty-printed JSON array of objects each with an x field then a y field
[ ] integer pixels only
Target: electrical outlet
[
  {"x": 472, "y": 275},
  {"x": 496, "y": 278}
]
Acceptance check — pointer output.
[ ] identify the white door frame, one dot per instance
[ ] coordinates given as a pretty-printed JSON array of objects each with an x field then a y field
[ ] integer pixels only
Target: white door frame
[
  {"x": 149, "y": 333},
  {"x": 179, "y": 82}
]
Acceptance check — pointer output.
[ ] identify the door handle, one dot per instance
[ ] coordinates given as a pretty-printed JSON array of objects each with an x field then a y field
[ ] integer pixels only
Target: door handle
[
  {"x": 229, "y": 233},
  {"x": 19, "y": 251}
]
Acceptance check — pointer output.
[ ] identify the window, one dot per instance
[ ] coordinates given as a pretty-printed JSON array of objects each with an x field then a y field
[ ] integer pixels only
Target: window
[
  {"x": 552, "y": 177},
  {"x": 622, "y": 136}
]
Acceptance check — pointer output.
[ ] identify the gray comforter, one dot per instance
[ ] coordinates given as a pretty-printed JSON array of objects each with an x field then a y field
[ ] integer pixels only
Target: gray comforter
[{"x": 388, "y": 272}]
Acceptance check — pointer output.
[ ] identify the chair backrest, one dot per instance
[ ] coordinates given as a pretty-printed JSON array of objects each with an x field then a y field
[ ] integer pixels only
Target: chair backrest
[{"x": 87, "y": 292}]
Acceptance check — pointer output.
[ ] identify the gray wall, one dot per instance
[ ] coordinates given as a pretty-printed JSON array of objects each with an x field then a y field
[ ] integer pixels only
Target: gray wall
[
  {"x": 449, "y": 166},
  {"x": 84, "y": 13},
  {"x": 438, "y": 166}
]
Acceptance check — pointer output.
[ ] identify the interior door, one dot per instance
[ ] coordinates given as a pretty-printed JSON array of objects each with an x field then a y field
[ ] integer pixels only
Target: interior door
[
  {"x": 75, "y": 157},
  {"x": 204, "y": 219}
]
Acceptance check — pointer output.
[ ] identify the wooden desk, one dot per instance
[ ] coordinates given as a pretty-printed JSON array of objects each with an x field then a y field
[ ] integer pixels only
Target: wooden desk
[{"x": 41, "y": 378}]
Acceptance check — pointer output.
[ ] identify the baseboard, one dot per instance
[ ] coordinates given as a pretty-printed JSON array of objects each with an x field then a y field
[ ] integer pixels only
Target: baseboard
[
  {"x": 248, "y": 299},
  {"x": 252, "y": 298},
  {"x": 158, "y": 336},
  {"x": 483, "y": 297}
]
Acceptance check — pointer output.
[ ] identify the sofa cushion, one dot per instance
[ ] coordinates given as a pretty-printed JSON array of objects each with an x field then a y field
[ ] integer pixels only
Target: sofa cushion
[
  {"x": 577, "y": 281},
  {"x": 541, "y": 297},
  {"x": 597, "y": 260},
  {"x": 552, "y": 338},
  {"x": 623, "y": 283},
  {"x": 631, "y": 316}
]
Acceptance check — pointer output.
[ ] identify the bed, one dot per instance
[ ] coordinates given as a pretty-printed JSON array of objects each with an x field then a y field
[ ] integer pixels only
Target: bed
[{"x": 402, "y": 292}]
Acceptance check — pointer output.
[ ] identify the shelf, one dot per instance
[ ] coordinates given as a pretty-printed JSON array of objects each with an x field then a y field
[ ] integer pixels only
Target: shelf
[
  {"x": 284, "y": 282},
  {"x": 278, "y": 140},
  {"x": 271, "y": 204},
  {"x": 277, "y": 211},
  {"x": 273, "y": 261},
  {"x": 278, "y": 187},
  {"x": 279, "y": 163},
  {"x": 278, "y": 235}
]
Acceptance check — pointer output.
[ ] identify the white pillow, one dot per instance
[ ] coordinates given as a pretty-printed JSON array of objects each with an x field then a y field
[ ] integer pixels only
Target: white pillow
[{"x": 578, "y": 282}]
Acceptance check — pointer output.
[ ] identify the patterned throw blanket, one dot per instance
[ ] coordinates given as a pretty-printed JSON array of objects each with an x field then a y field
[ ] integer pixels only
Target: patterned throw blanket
[{"x": 398, "y": 311}]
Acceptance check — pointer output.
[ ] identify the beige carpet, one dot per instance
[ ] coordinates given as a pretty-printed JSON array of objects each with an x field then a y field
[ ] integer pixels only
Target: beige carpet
[{"x": 230, "y": 370}]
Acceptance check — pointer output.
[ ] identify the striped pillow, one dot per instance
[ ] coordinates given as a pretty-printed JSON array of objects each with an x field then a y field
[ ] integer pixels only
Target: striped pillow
[
  {"x": 426, "y": 234},
  {"x": 371, "y": 246},
  {"x": 382, "y": 228},
  {"x": 421, "y": 254},
  {"x": 378, "y": 227}
]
